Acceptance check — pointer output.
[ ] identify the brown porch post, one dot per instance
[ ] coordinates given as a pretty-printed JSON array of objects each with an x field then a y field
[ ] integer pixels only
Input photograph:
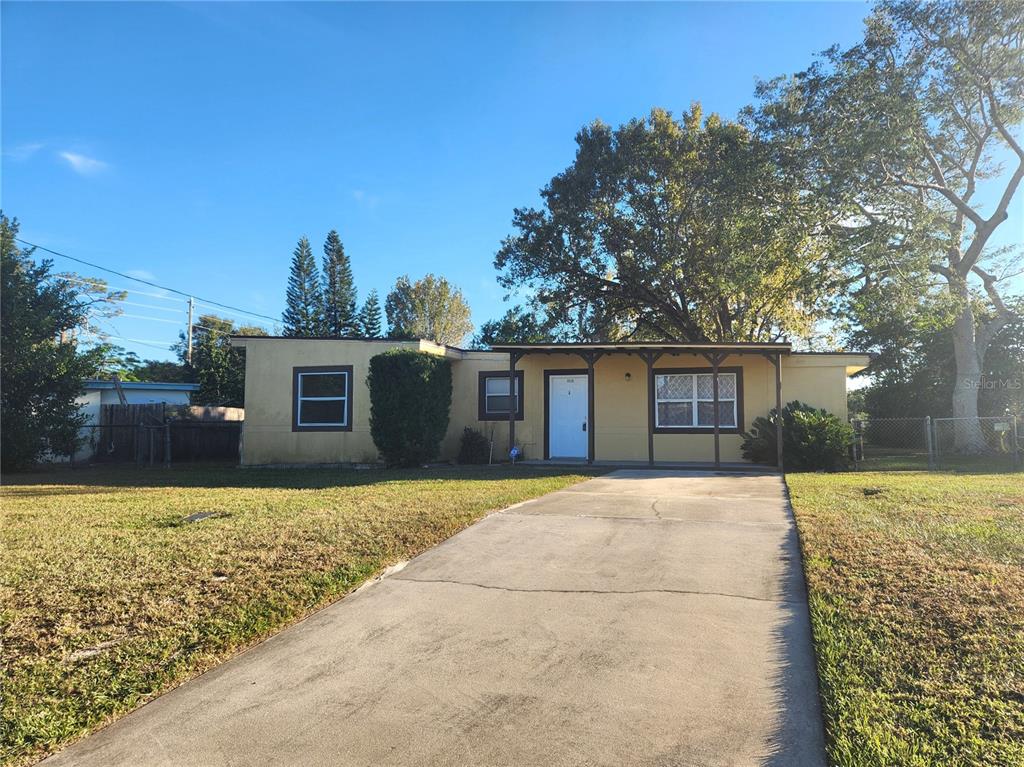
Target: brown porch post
[
  {"x": 715, "y": 360},
  {"x": 778, "y": 409},
  {"x": 714, "y": 388},
  {"x": 650, "y": 358},
  {"x": 591, "y": 360},
  {"x": 512, "y": 358}
]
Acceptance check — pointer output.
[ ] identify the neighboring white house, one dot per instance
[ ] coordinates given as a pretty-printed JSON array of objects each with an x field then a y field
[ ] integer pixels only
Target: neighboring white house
[
  {"x": 99, "y": 393},
  {"x": 136, "y": 392}
]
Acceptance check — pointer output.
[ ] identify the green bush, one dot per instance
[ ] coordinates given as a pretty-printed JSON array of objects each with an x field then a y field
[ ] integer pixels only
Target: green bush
[
  {"x": 474, "y": 447},
  {"x": 811, "y": 439},
  {"x": 410, "y": 401}
]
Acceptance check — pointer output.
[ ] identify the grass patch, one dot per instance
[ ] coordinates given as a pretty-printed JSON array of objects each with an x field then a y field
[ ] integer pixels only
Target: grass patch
[
  {"x": 916, "y": 585},
  {"x": 110, "y": 596}
]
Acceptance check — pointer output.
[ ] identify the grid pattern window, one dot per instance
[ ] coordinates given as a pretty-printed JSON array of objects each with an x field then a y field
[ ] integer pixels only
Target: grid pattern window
[
  {"x": 323, "y": 398},
  {"x": 686, "y": 401},
  {"x": 495, "y": 398}
]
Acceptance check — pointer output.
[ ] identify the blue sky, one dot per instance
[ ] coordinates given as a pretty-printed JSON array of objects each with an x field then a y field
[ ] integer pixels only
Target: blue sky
[{"x": 192, "y": 144}]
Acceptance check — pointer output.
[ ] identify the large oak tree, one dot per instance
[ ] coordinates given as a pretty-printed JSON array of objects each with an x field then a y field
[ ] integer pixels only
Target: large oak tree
[
  {"x": 904, "y": 137},
  {"x": 671, "y": 229}
]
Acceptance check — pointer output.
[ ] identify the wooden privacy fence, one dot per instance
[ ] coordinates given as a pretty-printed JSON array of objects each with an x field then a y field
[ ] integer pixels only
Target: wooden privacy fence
[{"x": 162, "y": 434}]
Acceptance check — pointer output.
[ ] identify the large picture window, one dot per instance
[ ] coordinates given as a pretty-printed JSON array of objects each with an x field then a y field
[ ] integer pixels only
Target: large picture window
[
  {"x": 684, "y": 401},
  {"x": 495, "y": 399},
  {"x": 322, "y": 398}
]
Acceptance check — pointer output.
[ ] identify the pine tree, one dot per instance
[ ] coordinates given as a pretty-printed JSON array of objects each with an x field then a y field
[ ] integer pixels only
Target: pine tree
[
  {"x": 303, "y": 315},
  {"x": 340, "y": 317},
  {"x": 370, "y": 322}
]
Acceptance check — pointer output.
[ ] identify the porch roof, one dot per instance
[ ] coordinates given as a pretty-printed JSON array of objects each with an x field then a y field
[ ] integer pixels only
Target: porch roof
[
  {"x": 649, "y": 352},
  {"x": 639, "y": 347}
]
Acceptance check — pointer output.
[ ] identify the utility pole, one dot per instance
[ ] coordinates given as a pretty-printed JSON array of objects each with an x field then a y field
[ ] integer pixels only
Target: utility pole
[{"x": 191, "y": 307}]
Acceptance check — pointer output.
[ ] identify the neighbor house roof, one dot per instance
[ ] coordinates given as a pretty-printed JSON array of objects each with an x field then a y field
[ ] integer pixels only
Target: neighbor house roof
[{"x": 151, "y": 385}]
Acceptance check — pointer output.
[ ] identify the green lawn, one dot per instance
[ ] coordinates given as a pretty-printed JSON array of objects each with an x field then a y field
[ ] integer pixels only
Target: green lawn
[
  {"x": 917, "y": 603},
  {"x": 109, "y": 597}
]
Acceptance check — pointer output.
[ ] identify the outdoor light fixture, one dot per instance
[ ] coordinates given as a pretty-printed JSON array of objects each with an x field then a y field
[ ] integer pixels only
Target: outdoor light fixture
[{"x": 629, "y": 376}]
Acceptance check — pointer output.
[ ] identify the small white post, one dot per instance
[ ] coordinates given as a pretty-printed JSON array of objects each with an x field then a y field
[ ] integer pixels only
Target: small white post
[
  {"x": 929, "y": 442},
  {"x": 191, "y": 308},
  {"x": 1016, "y": 445}
]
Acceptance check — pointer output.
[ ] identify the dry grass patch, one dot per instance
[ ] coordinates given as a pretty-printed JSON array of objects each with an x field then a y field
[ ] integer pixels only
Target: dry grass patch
[
  {"x": 917, "y": 604},
  {"x": 110, "y": 595}
]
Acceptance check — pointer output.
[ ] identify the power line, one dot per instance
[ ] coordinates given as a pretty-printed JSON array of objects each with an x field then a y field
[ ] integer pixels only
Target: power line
[
  {"x": 236, "y": 311},
  {"x": 81, "y": 281},
  {"x": 208, "y": 329},
  {"x": 151, "y": 319},
  {"x": 151, "y": 306},
  {"x": 166, "y": 346},
  {"x": 139, "y": 279}
]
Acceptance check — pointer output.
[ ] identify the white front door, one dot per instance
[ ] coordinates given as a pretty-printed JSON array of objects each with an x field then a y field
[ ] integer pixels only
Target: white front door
[{"x": 567, "y": 416}]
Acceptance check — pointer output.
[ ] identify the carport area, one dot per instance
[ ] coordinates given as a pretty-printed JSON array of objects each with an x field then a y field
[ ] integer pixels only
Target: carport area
[{"x": 644, "y": 617}]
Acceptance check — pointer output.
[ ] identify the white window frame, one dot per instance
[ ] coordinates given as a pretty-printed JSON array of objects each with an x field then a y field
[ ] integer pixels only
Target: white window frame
[
  {"x": 694, "y": 401},
  {"x": 343, "y": 399}
]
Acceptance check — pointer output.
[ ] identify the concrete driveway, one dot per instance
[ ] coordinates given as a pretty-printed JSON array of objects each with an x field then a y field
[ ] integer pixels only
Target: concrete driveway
[{"x": 640, "y": 618}]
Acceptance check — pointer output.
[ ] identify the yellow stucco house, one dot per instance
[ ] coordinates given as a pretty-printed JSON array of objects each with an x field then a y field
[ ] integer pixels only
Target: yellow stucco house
[{"x": 306, "y": 399}]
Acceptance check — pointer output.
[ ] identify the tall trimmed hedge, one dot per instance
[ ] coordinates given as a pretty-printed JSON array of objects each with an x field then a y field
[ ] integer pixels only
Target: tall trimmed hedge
[{"x": 410, "y": 403}]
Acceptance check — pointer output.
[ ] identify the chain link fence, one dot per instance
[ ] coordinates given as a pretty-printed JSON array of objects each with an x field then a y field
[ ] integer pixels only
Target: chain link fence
[{"x": 991, "y": 442}]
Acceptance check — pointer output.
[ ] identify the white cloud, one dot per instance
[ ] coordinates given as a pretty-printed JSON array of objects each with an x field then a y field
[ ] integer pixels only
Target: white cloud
[
  {"x": 82, "y": 164},
  {"x": 23, "y": 152},
  {"x": 142, "y": 274},
  {"x": 145, "y": 274},
  {"x": 365, "y": 199}
]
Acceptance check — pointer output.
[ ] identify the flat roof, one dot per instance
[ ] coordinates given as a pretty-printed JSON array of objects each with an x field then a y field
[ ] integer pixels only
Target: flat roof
[
  {"x": 637, "y": 346},
  {"x": 160, "y": 385},
  {"x": 330, "y": 338},
  {"x": 738, "y": 347}
]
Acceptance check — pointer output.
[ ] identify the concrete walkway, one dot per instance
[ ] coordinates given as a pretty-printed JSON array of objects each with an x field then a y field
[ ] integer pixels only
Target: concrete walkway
[{"x": 641, "y": 618}]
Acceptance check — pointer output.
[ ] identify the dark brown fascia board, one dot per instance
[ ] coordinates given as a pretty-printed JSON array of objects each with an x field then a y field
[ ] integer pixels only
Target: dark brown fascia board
[{"x": 631, "y": 348}]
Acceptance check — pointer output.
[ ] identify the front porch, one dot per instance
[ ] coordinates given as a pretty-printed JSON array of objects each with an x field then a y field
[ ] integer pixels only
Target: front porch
[{"x": 681, "y": 429}]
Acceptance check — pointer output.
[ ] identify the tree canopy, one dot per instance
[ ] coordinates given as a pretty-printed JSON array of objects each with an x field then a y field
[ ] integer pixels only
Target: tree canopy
[
  {"x": 42, "y": 367},
  {"x": 901, "y": 137},
  {"x": 671, "y": 229},
  {"x": 915, "y": 372},
  {"x": 516, "y": 326},
  {"x": 217, "y": 367},
  {"x": 428, "y": 308}
]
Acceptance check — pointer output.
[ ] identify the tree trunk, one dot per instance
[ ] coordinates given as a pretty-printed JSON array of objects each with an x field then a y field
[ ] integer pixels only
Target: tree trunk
[{"x": 967, "y": 435}]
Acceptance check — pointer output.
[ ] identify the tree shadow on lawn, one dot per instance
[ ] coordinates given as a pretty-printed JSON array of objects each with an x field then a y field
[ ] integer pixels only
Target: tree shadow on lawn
[{"x": 92, "y": 479}]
